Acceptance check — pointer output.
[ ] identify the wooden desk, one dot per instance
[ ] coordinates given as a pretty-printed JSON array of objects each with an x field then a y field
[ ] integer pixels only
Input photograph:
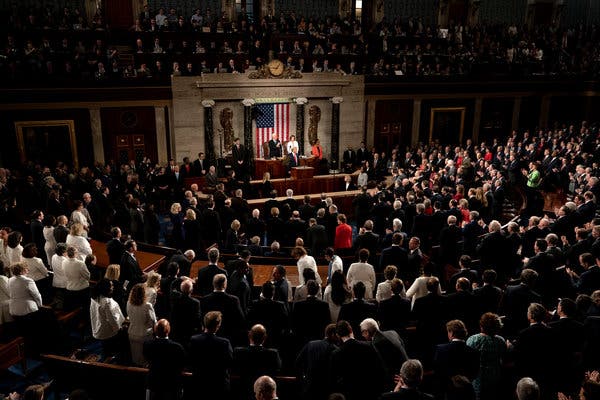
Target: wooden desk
[
  {"x": 309, "y": 162},
  {"x": 148, "y": 261},
  {"x": 272, "y": 166},
  {"x": 303, "y": 172}
]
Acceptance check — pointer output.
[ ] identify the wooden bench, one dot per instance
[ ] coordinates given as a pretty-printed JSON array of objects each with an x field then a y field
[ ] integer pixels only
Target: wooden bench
[
  {"x": 13, "y": 353},
  {"x": 102, "y": 380}
]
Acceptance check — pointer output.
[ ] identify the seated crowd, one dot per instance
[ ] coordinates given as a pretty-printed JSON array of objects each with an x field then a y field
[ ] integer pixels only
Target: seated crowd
[
  {"x": 432, "y": 281},
  {"x": 46, "y": 43}
]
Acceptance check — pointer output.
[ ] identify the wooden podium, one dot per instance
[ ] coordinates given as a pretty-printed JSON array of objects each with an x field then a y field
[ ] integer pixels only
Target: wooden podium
[{"x": 303, "y": 172}]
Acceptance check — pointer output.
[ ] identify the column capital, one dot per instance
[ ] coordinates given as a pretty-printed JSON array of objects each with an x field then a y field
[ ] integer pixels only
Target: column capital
[
  {"x": 337, "y": 100},
  {"x": 208, "y": 103},
  {"x": 248, "y": 102},
  {"x": 301, "y": 101}
]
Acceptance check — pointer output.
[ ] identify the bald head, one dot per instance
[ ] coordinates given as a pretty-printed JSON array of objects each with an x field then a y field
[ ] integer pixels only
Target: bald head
[{"x": 265, "y": 388}]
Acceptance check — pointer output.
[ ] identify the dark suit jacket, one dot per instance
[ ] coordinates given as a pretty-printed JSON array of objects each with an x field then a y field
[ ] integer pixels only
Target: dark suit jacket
[
  {"x": 211, "y": 218},
  {"x": 392, "y": 352},
  {"x": 186, "y": 318},
  {"x": 532, "y": 357},
  {"x": 488, "y": 298},
  {"x": 449, "y": 247},
  {"x": 313, "y": 363},
  {"x": 569, "y": 336},
  {"x": 589, "y": 280},
  {"x": 273, "y": 315},
  {"x": 393, "y": 255},
  {"x": 394, "y": 313},
  {"x": 355, "y": 312},
  {"x": 275, "y": 148},
  {"x": 430, "y": 313},
  {"x": 406, "y": 394},
  {"x": 369, "y": 241},
  {"x": 515, "y": 302},
  {"x": 254, "y": 361},
  {"x": 234, "y": 322},
  {"x": 316, "y": 239},
  {"x": 130, "y": 270},
  {"x": 210, "y": 357},
  {"x": 496, "y": 252},
  {"x": 309, "y": 318},
  {"x": 204, "y": 284},
  {"x": 115, "y": 250},
  {"x": 357, "y": 370},
  {"x": 60, "y": 235},
  {"x": 167, "y": 359},
  {"x": 462, "y": 305},
  {"x": 184, "y": 264},
  {"x": 455, "y": 358}
]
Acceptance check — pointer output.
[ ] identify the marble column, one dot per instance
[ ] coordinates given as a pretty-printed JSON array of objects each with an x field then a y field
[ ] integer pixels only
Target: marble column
[
  {"x": 96, "y": 124},
  {"x": 209, "y": 132},
  {"x": 161, "y": 134},
  {"x": 248, "y": 104},
  {"x": 300, "y": 102},
  {"x": 335, "y": 132}
]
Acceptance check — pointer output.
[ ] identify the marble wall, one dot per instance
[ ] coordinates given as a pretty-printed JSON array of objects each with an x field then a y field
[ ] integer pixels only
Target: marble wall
[{"x": 228, "y": 90}]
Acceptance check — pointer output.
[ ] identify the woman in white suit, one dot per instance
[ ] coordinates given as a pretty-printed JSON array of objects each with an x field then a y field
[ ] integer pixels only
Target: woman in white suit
[
  {"x": 25, "y": 298},
  {"x": 77, "y": 239},
  {"x": 4, "y": 295},
  {"x": 48, "y": 232},
  {"x": 14, "y": 249},
  {"x": 141, "y": 321}
]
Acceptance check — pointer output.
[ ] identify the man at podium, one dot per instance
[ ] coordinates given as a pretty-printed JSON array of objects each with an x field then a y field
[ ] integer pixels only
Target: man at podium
[{"x": 275, "y": 147}]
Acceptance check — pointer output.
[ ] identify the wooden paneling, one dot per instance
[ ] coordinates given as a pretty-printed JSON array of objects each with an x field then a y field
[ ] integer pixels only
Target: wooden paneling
[
  {"x": 129, "y": 133},
  {"x": 393, "y": 123},
  {"x": 496, "y": 119}
]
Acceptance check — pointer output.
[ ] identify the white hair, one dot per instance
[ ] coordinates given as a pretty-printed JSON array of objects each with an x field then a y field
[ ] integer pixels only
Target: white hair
[
  {"x": 369, "y": 325},
  {"x": 397, "y": 223}
]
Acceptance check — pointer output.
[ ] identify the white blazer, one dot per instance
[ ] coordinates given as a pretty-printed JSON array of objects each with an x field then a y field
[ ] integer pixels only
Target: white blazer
[
  {"x": 81, "y": 244},
  {"x": 25, "y": 297},
  {"x": 77, "y": 274}
]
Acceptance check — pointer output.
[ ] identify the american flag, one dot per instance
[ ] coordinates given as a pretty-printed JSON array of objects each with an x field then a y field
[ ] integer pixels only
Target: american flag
[{"x": 272, "y": 118}]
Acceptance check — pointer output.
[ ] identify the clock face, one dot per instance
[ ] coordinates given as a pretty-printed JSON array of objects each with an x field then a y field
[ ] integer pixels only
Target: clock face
[{"x": 276, "y": 67}]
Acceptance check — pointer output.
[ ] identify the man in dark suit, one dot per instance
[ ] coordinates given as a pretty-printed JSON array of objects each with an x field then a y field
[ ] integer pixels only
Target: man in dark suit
[
  {"x": 488, "y": 296},
  {"x": 356, "y": 369},
  {"x": 306, "y": 210},
  {"x": 495, "y": 251},
  {"x": 211, "y": 357},
  {"x": 255, "y": 360},
  {"x": 272, "y": 314},
  {"x": 465, "y": 271},
  {"x": 234, "y": 321},
  {"x": 414, "y": 260},
  {"x": 204, "y": 282},
  {"x": 430, "y": 313},
  {"x": 588, "y": 281},
  {"x": 358, "y": 310},
  {"x": 407, "y": 388},
  {"x": 349, "y": 159},
  {"x": 532, "y": 357},
  {"x": 37, "y": 234},
  {"x": 239, "y": 282},
  {"x": 310, "y": 316},
  {"x": 368, "y": 240},
  {"x": 394, "y": 313},
  {"x": 421, "y": 226},
  {"x": 201, "y": 165},
  {"x": 211, "y": 218},
  {"x": 455, "y": 357},
  {"x": 449, "y": 238},
  {"x": 569, "y": 337},
  {"x": 316, "y": 238},
  {"x": 166, "y": 359},
  {"x": 275, "y": 147},
  {"x": 388, "y": 345},
  {"x": 186, "y": 317},
  {"x": 471, "y": 233},
  {"x": 394, "y": 255},
  {"x": 517, "y": 299},
  {"x": 240, "y": 159},
  {"x": 184, "y": 261},
  {"x": 130, "y": 269},
  {"x": 114, "y": 247},
  {"x": 461, "y": 305},
  {"x": 543, "y": 264},
  {"x": 313, "y": 362},
  {"x": 362, "y": 154}
]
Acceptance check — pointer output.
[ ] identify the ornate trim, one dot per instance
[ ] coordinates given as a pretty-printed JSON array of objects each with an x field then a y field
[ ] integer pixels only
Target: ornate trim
[
  {"x": 248, "y": 102},
  {"x": 337, "y": 100},
  {"x": 263, "y": 73},
  {"x": 301, "y": 101},
  {"x": 208, "y": 103}
]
